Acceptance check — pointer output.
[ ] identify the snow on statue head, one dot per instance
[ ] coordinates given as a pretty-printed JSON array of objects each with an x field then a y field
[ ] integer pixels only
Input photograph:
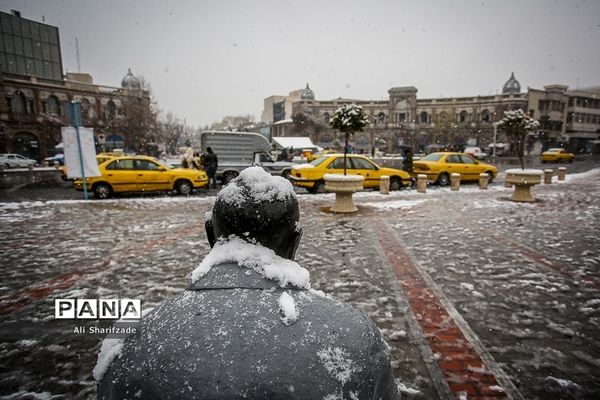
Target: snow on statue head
[{"x": 258, "y": 208}]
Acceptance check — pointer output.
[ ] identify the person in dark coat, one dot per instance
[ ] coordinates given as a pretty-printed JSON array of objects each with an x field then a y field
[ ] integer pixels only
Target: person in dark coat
[
  {"x": 249, "y": 326},
  {"x": 211, "y": 162}
]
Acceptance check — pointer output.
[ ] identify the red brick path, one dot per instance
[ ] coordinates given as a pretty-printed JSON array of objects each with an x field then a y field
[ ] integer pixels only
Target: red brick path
[{"x": 461, "y": 366}]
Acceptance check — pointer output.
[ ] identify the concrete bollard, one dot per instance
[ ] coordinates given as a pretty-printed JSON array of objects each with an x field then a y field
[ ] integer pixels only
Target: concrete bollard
[
  {"x": 421, "y": 183},
  {"x": 454, "y": 181},
  {"x": 30, "y": 167},
  {"x": 548, "y": 176},
  {"x": 562, "y": 173},
  {"x": 2, "y": 167},
  {"x": 483, "y": 180},
  {"x": 384, "y": 184}
]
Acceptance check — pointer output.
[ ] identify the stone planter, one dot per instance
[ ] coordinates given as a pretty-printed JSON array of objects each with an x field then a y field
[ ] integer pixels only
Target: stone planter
[
  {"x": 523, "y": 180},
  {"x": 344, "y": 187},
  {"x": 562, "y": 173}
]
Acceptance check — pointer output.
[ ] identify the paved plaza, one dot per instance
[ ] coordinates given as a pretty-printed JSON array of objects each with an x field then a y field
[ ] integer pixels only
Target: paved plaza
[{"x": 477, "y": 296}]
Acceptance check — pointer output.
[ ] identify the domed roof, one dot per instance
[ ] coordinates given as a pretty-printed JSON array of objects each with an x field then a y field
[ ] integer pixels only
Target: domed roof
[
  {"x": 512, "y": 85},
  {"x": 307, "y": 94},
  {"x": 130, "y": 82}
]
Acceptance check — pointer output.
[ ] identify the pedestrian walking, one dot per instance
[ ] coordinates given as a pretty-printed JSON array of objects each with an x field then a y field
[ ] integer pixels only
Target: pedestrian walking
[{"x": 211, "y": 162}]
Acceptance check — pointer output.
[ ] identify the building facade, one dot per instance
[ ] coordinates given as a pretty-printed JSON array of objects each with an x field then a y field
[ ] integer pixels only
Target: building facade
[
  {"x": 567, "y": 118},
  {"x": 35, "y": 96}
]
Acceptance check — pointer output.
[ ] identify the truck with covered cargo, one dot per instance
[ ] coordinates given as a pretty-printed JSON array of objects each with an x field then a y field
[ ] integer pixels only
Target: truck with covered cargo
[{"x": 239, "y": 150}]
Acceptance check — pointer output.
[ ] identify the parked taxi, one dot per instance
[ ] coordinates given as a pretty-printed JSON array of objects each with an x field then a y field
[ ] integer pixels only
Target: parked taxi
[
  {"x": 556, "y": 155},
  {"x": 310, "y": 176},
  {"x": 141, "y": 174},
  {"x": 439, "y": 166}
]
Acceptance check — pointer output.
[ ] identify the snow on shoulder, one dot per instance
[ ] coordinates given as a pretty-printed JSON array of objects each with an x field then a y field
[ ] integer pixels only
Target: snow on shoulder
[
  {"x": 110, "y": 349},
  {"x": 287, "y": 305},
  {"x": 258, "y": 185},
  {"x": 256, "y": 257}
]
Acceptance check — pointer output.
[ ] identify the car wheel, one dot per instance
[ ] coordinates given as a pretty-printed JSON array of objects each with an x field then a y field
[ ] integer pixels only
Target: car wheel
[
  {"x": 285, "y": 174},
  {"x": 102, "y": 191},
  {"x": 490, "y": 176},
  {"x": 395, "y": 183},
  {"x": 184, "y": 188},
  {"x": 443, "y": 179},
  {"x": 319, "y": 187},
  {"x": 228, "y": 177}
]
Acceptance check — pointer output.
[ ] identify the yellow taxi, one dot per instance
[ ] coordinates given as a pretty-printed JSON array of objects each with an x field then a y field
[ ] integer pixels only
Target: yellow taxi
[
  {"x": 100, "y": 158},
  {"x": 556, "y": 155},
  {"x": 439, "y": 166},
  {"x": 141, "y": 174},
  {"x": 310, "y": 176}
]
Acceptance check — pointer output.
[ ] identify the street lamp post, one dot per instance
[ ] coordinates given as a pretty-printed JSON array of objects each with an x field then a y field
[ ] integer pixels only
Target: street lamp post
[{"x": 495, "y": 125}]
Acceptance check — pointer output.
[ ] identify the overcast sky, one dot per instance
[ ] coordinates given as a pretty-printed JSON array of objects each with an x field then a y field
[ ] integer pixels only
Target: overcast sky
[{"x": 209, "y": 59}]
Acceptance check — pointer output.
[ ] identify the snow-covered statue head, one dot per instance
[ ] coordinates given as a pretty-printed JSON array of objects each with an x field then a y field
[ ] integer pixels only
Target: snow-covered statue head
[{"x": 258, "y": 208}]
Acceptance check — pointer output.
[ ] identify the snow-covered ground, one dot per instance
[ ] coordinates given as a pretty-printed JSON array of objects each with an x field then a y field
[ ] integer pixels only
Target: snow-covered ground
[{"x": 524, "y": 277}]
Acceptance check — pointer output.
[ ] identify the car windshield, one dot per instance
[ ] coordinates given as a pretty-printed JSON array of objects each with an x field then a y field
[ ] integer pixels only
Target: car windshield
[{"x": 432, "y": 157}]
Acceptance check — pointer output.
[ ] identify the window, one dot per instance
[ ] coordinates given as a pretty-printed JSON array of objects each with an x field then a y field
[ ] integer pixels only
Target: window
[
  {"x": 454, "y": 159},
  {"x": 146, "y": 165},
  {"x": 53, "y": 106},
  {"x": 424, "y": 117},
  {"x": 326, "y": 118},
  {"x": 19, "y": 103},
  {"x": 462, "y": 117},
  {"x": 485, "y": 116},
  {"x": 338, "y": 163},
  {"x": 360, "y": 163},
  {"x": 121, "y": 164},
  {"x": 380, "y": 119},
  {"x": 111, "y": 110},
  {"x": 466, "y": 159}
]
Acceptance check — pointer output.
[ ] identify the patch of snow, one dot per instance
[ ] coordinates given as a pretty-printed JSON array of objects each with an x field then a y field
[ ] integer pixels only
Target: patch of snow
[
  {"x": 337, "y": 363},
  {"x": 110, "y": 349},
  {"x": 518, "y": 171},
  {"x": 393, "y": 205},
  {"x": 467, "y": 286},
  {"x": 343, "y": 178},
  {"x": 397, "y": 335},
  {"x": 287, "y": 305},
  {"x": 259, "y": 185},
  {"x": 256, "y": 257},
  {"x": 402, "y": 388}
]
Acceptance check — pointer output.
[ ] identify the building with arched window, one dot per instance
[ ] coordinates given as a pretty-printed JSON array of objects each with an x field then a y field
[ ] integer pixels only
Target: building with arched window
[
  {"x": 570, "y": 118},
  {"x": 35, "y": 102}
]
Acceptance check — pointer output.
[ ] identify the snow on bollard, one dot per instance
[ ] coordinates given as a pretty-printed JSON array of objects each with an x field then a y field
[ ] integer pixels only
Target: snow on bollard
[
  {"x": 421, "y": 183},
  {"x": 384, "y": 184},
  {"x": 562, "y": 173},
  {"x": 548, "y": 176},
  {"x": 455, "y": 181},
  {"x": 483, "y": 180}
]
